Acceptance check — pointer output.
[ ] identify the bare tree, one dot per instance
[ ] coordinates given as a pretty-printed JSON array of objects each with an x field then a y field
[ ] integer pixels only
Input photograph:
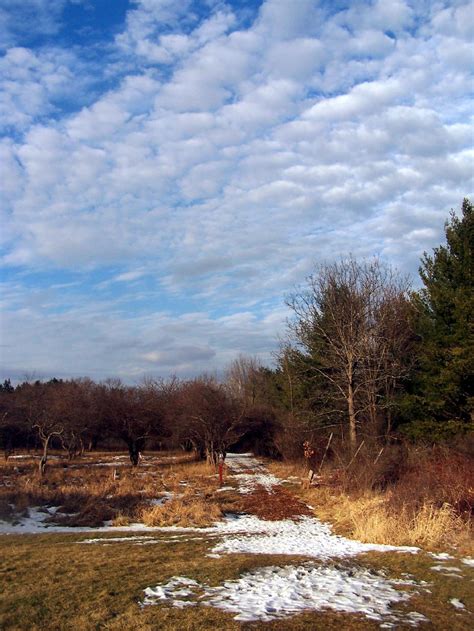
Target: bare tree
[
  {"x": 47, "y": 429},
  {"x": 132, "y": 413},
  {"x": 242, "y": 378},
  {"x": 351, "y": 328},
  {"x": 208, "y": 418},
  {"x": 38, "y": 402}
]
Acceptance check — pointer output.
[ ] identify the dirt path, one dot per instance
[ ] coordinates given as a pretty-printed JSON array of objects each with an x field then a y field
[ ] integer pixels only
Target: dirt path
[{"x": 263, "y": 494}]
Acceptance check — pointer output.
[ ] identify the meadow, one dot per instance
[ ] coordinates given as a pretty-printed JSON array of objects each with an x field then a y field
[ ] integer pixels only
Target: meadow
[{"x": 98, "y": 544}]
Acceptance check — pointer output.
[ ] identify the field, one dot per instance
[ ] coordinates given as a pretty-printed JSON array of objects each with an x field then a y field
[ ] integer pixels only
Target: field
[{"x": 98, "y": 544}]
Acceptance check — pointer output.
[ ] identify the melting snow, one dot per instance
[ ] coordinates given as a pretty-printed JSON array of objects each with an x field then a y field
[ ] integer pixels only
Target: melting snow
[
  {"x": 468, "y": 561},
  {"x": 250, "y": 473},
  {"x": 441, "y": 556},
  {"x": 457, "y": 603},
  {"x": 269, "y": 592},
  {"x": 277, "y": 592},
  {"x": 163, "y": 499},
  {"x": 307, "y": 537}
]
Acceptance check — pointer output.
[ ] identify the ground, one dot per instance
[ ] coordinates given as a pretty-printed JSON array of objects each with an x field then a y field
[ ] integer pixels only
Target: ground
[{"x": 268, "y": 563}]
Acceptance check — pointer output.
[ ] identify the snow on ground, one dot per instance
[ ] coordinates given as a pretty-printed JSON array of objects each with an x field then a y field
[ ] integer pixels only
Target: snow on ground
[
  {"x": 441, "y": 556},
  {"x": 249, "y": 473},
  {"x": 457, "y": 603},
  {"x": 269, "y": 592},
  {"x": 166, "y": 497},
  {"x": 450, "y": 570},
  {"x": 277, "y": 592},
  {"x": 305, "y": 537}
]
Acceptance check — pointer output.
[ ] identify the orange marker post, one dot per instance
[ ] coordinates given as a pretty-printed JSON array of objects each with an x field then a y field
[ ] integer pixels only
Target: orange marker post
[{"x": 221, "y": 470}]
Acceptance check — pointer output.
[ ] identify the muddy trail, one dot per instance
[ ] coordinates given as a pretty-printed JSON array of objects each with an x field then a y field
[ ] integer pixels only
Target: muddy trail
[{"x": 262, "y": 494}]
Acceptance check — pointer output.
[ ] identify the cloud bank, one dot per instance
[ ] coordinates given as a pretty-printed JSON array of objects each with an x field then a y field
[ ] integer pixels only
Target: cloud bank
[{"x": 167, "y": 182}]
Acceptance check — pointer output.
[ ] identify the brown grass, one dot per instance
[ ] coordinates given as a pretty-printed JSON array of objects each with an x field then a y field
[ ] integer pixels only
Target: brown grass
[
  {"x": 89, "y": 494},
  {"x": 373, "y": 517},
  {"x": 425, "y": 499},
  {"x": 191, "y": 511}
]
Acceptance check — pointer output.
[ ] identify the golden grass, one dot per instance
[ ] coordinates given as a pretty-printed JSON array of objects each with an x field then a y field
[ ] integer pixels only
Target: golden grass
[
  {"x": 52, "y": 582},
  {"x": 183, "y": 512},
  {"x": 402, "y": 515},
  {"x": 373, "y": 518},
  {"x": 88, "y": 494}
]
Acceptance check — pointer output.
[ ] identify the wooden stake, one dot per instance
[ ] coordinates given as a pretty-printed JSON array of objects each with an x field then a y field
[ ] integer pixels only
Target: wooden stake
[
  {"x": 325, "y": 452},
  {"x": 355, "y": 455},
  {"x": 378, "y": 455}
]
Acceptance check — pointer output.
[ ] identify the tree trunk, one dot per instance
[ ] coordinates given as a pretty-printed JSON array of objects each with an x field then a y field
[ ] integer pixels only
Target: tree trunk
[
  {"x": 352, "y": 418},
  {"x": 44, "y": 457},
  {"x": 212, "y": 454},
  {"x": 134, "y": 452}
]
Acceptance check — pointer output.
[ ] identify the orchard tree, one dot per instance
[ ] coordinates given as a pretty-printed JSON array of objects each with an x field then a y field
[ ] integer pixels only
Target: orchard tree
[
  {"x": 38, "y": 403},
  {"x": 133, "y": 413},
  {"x": 208, "y": 418}
]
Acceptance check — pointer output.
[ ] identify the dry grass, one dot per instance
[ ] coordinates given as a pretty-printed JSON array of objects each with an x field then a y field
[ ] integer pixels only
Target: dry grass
[
  {"x": 373, "y": 517},
  {"x": 50, "y": 582},
  {"x": 429, "y": 502},
  {"x": 187, "y": 510},
  {"x": 53, "y": 583},
  {"x": 90, "y": 491}
]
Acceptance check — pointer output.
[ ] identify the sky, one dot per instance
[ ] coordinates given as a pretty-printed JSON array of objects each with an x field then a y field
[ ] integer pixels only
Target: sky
[{"x": 171, "y": 170}]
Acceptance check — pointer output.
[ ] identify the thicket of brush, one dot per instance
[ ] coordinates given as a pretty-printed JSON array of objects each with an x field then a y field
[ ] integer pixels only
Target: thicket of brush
[{"x": 412, "y": 496}]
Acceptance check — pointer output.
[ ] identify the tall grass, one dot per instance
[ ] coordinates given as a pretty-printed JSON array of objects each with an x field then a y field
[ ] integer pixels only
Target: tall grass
[
  {"x": 88, "y": 494},
  {"x": 410, "y": 496}
]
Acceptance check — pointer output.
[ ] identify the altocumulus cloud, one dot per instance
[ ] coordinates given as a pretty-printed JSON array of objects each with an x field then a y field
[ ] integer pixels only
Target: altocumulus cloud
[{"x": 172, "y": 169}]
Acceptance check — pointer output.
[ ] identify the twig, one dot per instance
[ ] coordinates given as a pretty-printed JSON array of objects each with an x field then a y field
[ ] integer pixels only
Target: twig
[
  {"x": 355, "y": 455},
  {"x": 325, "y": 452}
]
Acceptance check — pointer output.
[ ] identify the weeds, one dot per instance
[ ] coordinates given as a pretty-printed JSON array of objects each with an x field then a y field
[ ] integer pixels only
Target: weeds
[
  {"x": 186, "y": 510},
  {"x": 89, "y": 493},
  {"x": 411, "y": 496}
]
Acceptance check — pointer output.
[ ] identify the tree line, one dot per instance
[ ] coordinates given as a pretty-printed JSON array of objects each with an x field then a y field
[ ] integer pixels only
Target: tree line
[{"x": 364, "y": 357}]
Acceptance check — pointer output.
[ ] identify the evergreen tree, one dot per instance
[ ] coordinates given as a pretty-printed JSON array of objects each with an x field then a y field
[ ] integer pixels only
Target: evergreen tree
[{"x": 445, "y": 389}]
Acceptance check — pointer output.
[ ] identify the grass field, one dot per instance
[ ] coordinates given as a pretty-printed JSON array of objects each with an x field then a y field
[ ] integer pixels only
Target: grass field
[{"x": 58, "y": 581}]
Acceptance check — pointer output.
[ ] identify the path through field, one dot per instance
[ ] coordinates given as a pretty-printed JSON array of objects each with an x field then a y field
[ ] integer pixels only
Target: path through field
[
  {"x": 329, "y": 579},
  {"x": 269, "y": 564}
]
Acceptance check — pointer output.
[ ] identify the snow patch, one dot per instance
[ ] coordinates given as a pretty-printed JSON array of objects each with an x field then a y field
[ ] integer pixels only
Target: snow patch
[
  {"x": 278, "y": 592},
  {"x": 441, "y": 556},
  {"x": 166, "y": 497},
  {"x": 305, "y": 537},
  {"x": 468, "y": 561},
  {"x": 178, "y": 586},
  {"x": 457, "y": 603},
  {"x": 445, "y": 568},
  {"x": 250, "y": 473}
]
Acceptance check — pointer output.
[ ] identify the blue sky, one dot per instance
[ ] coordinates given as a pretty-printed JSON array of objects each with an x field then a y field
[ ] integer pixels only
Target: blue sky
[{"x": 171, "y": 170}]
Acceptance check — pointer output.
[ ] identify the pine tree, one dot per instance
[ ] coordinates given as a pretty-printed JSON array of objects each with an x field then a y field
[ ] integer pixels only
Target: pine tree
[{"x": 446, "y": 306}]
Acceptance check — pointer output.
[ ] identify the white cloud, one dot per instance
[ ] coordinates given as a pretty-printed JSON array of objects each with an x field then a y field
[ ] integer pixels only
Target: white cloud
[{"x": 227, "y": 160}]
